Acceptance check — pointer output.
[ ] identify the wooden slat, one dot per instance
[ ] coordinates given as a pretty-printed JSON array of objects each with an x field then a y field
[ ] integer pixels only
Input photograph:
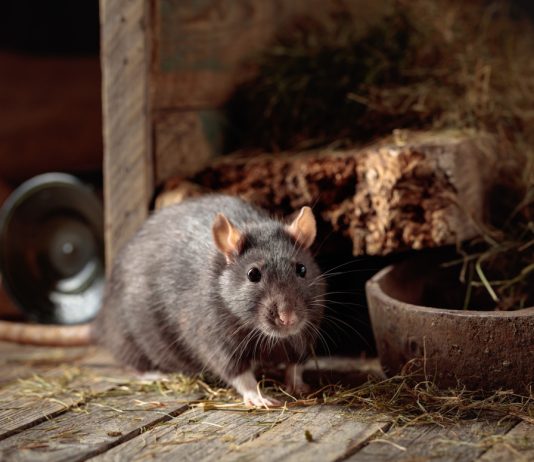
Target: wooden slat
[
  {"x": 20, "y": 361},
  {"x": 322, "y": 433},
  {"x": 27, "y": 403},
  {"x": 94, "y": 428},
  {"x": 39, "y": 383},
  {"x": 184, "y": 141},
  {"x": 201, "y": 46},
  {"x": 128, "y": 175},
  {"x": 461, "y": 442},
  {"x": 516, "y": 445},
  {"x": 196, "y": 435}
]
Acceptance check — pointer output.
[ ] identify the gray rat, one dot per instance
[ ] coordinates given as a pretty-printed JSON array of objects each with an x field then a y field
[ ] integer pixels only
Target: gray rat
[{"x": 214, "y": 284}]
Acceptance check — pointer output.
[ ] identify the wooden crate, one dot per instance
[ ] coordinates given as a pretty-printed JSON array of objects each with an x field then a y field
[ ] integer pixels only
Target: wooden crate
[{"x": 169, "y": 65}]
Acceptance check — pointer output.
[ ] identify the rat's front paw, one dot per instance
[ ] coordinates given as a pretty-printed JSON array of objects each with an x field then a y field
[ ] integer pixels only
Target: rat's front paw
[{"x": 254, "y": 398}]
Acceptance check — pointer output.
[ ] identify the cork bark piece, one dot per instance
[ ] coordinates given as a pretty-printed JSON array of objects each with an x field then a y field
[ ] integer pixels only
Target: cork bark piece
[{"x": 409, "y": 191}]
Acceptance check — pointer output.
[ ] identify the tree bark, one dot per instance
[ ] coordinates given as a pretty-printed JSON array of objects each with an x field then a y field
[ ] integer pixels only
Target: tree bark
[{"x": 409, "y": 191}]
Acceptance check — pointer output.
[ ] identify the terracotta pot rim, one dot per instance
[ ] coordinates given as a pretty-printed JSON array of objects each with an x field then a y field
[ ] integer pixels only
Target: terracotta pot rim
[{"x": 373, "y": 287}]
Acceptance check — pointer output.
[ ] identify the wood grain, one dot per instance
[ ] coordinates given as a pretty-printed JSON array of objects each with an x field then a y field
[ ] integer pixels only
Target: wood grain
[
  {"x": 94, "y": 427},
  {"x": 196, "y": 435},
  {"x": 184, "y": 142},
  {"x": 128, "y": 170},
  {"x": 325, "y": 433},
  {"x": 85, "y": 407},
  {"x": 203, "y": 46},
  {"x": 39, "y": 383},
  {"x": 39, "y": 398},
  {"x": 516, "y": 445},
  {"x": 460, "y": 442},
  {"x": 22, "y": 361}
]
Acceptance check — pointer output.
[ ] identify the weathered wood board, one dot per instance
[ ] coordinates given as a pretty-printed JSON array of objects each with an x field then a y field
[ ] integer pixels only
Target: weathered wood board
[
  {"x": 19, "y": 361},
  {"x": 201, "y": 51},
  {"x": 319, "y": 433},
  {"x": 185, "y": 141},
  {"x": 97, "y": 413},
  {"x": 40, "y": 398},
  {"x": 197, "y": 435},
  {"x": 458, "y": 442},
  {"x": 128, "y": 170},
  {"x": 93, "y": 428},
  {"x": 40, "y": 383},
  {"x": 517, "y": 444}
]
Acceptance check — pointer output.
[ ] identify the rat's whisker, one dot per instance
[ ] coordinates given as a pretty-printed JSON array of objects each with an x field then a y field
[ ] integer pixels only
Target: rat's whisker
[{"x": 343, "y": 326}]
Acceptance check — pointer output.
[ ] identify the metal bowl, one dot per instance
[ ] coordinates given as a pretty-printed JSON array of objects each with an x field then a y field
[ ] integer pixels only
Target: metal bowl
[
  {"x": 51, "y": 249},
  {"x": 451, "y": 347}
]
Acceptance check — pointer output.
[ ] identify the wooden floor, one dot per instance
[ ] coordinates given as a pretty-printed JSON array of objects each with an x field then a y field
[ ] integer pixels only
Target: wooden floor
[{"x": 76, "y": 404}]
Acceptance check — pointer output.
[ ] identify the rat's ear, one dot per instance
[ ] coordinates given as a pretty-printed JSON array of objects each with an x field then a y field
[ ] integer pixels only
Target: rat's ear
[
  {"x": 226, "y": 236},
  {"x": 303, "y": 228}
]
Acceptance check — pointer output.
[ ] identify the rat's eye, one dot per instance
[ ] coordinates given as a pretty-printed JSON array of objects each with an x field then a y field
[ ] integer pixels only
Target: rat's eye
[
  {"x": 301, "y": 270},
  {"x": 254, "y": 274}
]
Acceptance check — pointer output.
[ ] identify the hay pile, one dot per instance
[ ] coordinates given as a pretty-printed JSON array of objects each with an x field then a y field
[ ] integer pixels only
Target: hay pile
[{"x": 402, "y": 400}]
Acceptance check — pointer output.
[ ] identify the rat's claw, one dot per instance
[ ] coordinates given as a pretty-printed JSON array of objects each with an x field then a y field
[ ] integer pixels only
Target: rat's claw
[
  {"x": 257, "y": 400},
  {"x": 247, "y": 386}
]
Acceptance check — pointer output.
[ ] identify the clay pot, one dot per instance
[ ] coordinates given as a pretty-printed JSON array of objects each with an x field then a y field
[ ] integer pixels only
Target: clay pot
[{"x": 452, "y": 347}]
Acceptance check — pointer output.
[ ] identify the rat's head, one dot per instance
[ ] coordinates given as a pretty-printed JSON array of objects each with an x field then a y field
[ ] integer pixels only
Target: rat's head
[{"x": 271, "y": 281}]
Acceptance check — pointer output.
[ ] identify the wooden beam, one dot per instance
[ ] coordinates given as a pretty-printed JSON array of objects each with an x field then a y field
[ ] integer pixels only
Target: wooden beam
[
  {"x": 202, "y": 47},
  {"x": 128, "y": 169},
  {"x": 185, "y": 141}
]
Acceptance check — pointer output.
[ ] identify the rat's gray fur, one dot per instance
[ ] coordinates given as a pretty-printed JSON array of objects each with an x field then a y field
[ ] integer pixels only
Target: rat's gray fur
[{"x": 174, "y": 303}]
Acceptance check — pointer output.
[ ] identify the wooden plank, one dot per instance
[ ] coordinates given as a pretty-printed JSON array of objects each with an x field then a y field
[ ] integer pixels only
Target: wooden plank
[
  {"x": 99, "y": 358},
  {"x": 128, "y": 172},
  {"x": 31, "y": 401},
  {"x": 20, "y": 361},
  {"x": 184, "y": 141},
  {"x": 460, "y": 442},
  {"x": 202, "y": 47},
  {"x": 93, "y": 428},
  {"x": 517, "y": 445},
  {"x": 196, "y": 435},
  {"x": 53, "y": 381},
  {"x": 325, "y": 433}
]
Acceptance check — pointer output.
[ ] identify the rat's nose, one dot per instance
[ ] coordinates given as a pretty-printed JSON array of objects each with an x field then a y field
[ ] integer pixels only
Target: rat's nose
[{"x": 287, "y": 318}]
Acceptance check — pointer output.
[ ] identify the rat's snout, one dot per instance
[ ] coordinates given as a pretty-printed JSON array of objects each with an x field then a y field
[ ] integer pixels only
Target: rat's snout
[
  {"x": 282, "y": 316},
  {"x": 286, "y": 318}
]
